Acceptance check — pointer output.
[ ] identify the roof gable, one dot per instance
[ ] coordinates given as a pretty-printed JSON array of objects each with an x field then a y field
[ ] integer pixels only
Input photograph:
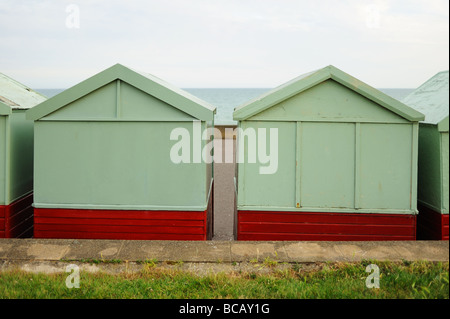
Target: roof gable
[
  {"x": 16, "y": 96},
  {"x": 328, "y": 101},
  {"x": 149, "y": 84},
  {"x": 117, "y": 101},
  {"x": 309, "y": 80},
  {"x": 431, "y": 98}
]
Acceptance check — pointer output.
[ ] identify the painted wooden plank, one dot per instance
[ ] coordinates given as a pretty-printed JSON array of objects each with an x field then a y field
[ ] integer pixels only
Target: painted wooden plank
[
  {"x": 357, "y": 173},
  {"x": 386, "y": 163},
  {"x": 318, "y": 237},
  {"x": 445, "y": 227},
  {"x": 114, "y": 164},
  {"x": 120, "y": 229},
  {"x": 118, "y": 214},
  {"x": 328, "y": 165},
  {"x": 2, "y": 211},
  {"x": 105, "y": 224},
  {"x": 414, "y": 165},
  {"x": 277, "y": 189},
  {"x": 430, "y": 224},
  {"x": 445, "y": 170},
  {"x": 23, "y": 229},
  {"x": 337, "y": 218},
  {"x": 445, "y": 219},
  {"x": 110, "y": 235},
  {"x": 118, "y": 100},
  {"x": 324, "y": 226},
  {"x": 298, "y": 164},
  {"x": 21, "y": 204},
  {"x": 124, "y": 222},
  {"x": 349, "y": 229},
  {"x": 18, "y": 218}
]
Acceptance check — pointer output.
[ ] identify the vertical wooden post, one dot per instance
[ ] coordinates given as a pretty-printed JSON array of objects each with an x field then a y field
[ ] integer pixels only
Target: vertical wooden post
[{"x": 298, "y": 163}]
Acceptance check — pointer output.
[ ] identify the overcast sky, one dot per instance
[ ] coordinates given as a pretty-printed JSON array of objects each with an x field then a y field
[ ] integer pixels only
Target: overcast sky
[{"x": 224, "y": 43}]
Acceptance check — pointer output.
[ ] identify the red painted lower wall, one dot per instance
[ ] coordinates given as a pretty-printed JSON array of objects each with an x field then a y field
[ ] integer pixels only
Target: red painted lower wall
[
  {"x": 123, "y": 224},
  {"x": 16, "y": 219},
  {"x": 270, "y": 225},
  {"x": 431, "y": 225},
  {"x": 2, "y": 221}
]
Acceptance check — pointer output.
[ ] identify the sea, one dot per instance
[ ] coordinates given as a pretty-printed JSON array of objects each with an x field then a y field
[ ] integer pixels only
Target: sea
[{"x": 226, "y": 99}]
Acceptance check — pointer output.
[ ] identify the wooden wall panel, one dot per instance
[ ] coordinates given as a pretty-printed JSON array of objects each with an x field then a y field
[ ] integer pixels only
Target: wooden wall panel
[{"x": 263, "y": 225}]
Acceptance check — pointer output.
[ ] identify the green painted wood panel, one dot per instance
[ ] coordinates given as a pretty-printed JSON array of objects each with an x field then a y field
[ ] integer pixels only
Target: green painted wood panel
[
  {"x": 312, "y": 79},
  {"x": 445, "y": 171},
  {"x": 114, "y": 165},
  {"x": 443, "y": 125},
  {"x": 342, "y": 167},
  {"x": 386, "y": 166},
  {"x": 99, "y": 104},
  {"x": 209, "y": 167},
  {"x": 147, "y": 83},
  {"x": 327, "y": 159},
  {"x": 137, "y": 105},
  {"x": 277, "y": 189},
  {"x": 118, "y": 100},
  {"x": 21, "y": 155},
  {"x": 429, "y": 163},
  {"x": 3, "y": 143},
  {"x": 329, "y": 101}
]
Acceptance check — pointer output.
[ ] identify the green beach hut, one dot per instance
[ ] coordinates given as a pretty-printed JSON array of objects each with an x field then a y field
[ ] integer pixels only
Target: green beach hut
[
  {"x": 107, "y": 160},
  {"x": 326, "y": 157},
  {"x": 16, "y": 158},
  {"x": 432, "y": 99}
]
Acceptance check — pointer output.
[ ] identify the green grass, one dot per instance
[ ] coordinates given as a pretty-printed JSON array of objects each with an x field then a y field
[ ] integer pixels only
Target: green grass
[{"x": 331, "y": 281}]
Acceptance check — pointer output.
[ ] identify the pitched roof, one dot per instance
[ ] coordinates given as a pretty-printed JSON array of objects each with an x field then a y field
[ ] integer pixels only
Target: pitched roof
[
  {"x": 16, "y": 96},
  {"x": 431, "y": 98},
  {"x": 311, "y": 79},
  {"x": 149, "y": 84}
]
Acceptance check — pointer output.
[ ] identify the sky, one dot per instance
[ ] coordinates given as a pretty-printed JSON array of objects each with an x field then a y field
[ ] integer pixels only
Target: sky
[{"x": 224, "y": 43}]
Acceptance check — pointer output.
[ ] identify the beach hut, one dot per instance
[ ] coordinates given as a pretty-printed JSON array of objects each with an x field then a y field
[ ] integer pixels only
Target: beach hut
[
  {"x": 116, "y": 157},
  {"x": 16, "y": 158},
  {"x": 432, "y": 99},
  {"x": 326, "y": 157}
]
